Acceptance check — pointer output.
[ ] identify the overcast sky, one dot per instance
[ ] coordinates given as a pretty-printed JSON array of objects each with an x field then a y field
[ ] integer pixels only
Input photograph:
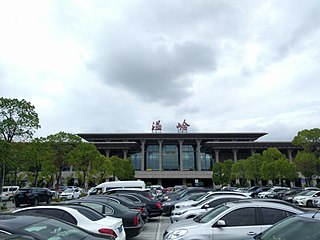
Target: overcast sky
[{"x": 117, "y": 66}]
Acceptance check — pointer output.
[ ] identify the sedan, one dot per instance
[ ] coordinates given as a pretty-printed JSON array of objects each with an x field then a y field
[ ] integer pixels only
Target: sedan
[
  {"x": 124, "y": 201},
  {"x": 131, "y": 219},
  {"x": 231, "y": 221},
  {"x": 43, "y": 228},
  {"x": 154, "y": 207},
  {"x": 70, "y": 193},
  {"x": 201, "y": 207},
  {"x": 81, "y": 216},
  {"x": 306, "y": 199}
]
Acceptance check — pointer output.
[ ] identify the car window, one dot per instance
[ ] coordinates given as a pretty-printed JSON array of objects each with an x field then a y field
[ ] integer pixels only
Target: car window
[
  {"x": 240, "y": 217},
  {"x": 271, "y": 216},
  {"x": 208, "y": 216},
  {"x": 88, "y": 212},
  {"x": 98, "y": 207},
  {"x": 133, "y": 198}
]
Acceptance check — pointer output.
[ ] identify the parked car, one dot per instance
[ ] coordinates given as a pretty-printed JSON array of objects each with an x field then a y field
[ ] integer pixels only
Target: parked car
[
  {"x": 43, "y": 228},
  {"x": 124, "y": 201},
  {"x": 306, "y": 199},
  {"x": 288, "y": 195},
  {"x": 208, "y": 195},
  {"x": 297, "y": 227},
  {"x": 70, "y": 193},
  {"x": 201, "y": 207},
  {"x": 81, "y": 216},
  {"x": 32, "y": 196},
  {"x": 154, "y": 207},
  {"x": 168, "y": 206},
  {"x": 255, "y": 192},
  {"x": 8, "y": 192},
  {"x": 132, "y": 220},
  {"x": 271, "y": 191},
  {"x": 144, "y": 192},
  {"x": 232, "y": 220}
]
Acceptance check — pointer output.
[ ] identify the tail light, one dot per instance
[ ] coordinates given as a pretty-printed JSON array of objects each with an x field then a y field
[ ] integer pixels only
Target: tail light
[
  {"x": 159, "y": 205},
  {"x": 108, "y": 231},
  {"x": 140, "y": 209},
  {"x": 149, "y": 196},
  {"x": 136, "y": 220}
]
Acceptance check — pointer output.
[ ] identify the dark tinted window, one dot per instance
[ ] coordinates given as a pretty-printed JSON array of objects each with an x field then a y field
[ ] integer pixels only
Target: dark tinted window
[
  {"x": 131, "y": 197},
  {"x": 271, "y": 216},
  {"x": 220, "y": 201},
  {"x": 53, "y": 212},
  {"x": 88, "y": 212},
  {"x": 241, "y": 217}
]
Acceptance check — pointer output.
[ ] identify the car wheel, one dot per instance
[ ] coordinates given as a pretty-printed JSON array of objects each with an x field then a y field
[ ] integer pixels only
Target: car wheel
[
  {"x": 48, "y": 200},
  {"x": 17, "y": 204},
  {"x": 309, "y": 203},
  {"x": 36, "y": 202},
  {"x": 11, "y": 198}
]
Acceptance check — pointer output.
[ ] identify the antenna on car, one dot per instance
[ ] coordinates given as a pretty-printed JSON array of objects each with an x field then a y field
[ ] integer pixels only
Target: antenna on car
[{"x": 315, "y": 213}]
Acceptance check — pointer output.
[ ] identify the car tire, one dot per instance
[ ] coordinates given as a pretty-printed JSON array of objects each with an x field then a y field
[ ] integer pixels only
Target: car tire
[
  {"x": 49, "y": 200},
  {"x": 36, "y": 202},
  {"x": 309, "y": 203},
  {"x": 17, "y": 204},
  {"x": 10, "y": 198}
]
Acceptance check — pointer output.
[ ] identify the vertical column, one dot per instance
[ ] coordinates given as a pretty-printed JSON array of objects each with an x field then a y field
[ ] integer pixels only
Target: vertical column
[
  {"x": 142, "y": 153},
  {"x": 290, "y": 155},
  {"x": 198, "y": 155},
  {"x": 180, "y": 155},
  {"x": 160, "y": 154},
  {"x": 125, "y": 154},
  {"x": 235, "y": 157},
  {"x": 216, "y": 155},
  {"x": 107, "y": 153}
]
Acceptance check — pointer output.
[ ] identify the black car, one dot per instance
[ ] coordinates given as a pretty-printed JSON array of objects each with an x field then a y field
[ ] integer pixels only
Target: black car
[
  {"x": 32, "y": 196},
  {"x": 124, "y": 201},
  {"x": 132, "y": 221},
  {"x": 154, "y": 207},
  {"x": 42, "y": 228}
]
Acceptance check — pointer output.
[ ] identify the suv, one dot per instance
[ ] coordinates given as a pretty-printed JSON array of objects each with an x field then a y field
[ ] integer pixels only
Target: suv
[
  {"x": 32, "y": 196},
  {"x": 8, "y": 192}
]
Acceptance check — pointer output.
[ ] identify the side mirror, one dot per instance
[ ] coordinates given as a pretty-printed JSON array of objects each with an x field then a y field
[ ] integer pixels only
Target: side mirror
[{"x": 220, "y": 223}]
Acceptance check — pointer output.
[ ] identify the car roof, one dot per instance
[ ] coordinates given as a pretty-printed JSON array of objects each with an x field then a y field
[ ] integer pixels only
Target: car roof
[
  {"x": 19, "y": 221},
  {"x": 310, "y": 214}
]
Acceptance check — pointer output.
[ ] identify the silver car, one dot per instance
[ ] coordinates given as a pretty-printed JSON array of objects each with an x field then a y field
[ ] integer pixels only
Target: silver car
[
  {"x": 231, "y": 221},
  {"x": 201, "y": 207}
]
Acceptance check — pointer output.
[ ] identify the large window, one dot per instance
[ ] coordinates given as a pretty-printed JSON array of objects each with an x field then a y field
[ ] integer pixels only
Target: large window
[
  {"x": 170, "y": 157},
  {"x": 206, "y": 161},
  {"x": 136, "y": 161},
  {"x": 153, "y": 157},
  {"x": 188, "y": 157}
]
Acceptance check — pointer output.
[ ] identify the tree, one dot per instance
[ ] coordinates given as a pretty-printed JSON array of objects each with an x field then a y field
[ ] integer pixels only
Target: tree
[
  {"x": 18, "y": 119},
  {"x": 309, "y": 140},
  {"x": 122, "y": 168},
  {"x": 221, "y": 172},
  {"x": 238, "y": 170},
  {"x": 101, "y": 169},
  {"x": 306, "y": 163},
  {"x": 253, "y": 168},
  {"x": 82, "y": 158},
  {"x": 61, "y": 144}
]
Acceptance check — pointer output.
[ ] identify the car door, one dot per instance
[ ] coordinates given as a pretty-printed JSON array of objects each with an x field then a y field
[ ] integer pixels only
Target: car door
[
  {"x": 271, "y": 216},
  {"x": 239, "y": 224}
]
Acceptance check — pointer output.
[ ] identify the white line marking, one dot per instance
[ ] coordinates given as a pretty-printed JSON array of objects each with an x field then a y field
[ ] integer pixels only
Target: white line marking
[{"x": 159, "y": 236}]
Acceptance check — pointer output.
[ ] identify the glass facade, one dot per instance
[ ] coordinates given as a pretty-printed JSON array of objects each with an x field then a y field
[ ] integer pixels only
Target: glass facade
[
  {"x": 153, "y": 157},
  {"x": 188, "y": 157},
  {"x": 136, "y": 161},
  {"x": 170, "y": 157},
  {"x": 206, "y": 161}
]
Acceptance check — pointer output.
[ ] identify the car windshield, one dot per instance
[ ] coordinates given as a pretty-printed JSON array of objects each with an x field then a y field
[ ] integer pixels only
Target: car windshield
[
  {"x": 52, "y": 230},
  {"x": 68, "y": 190},
  {"x": 208, "y": 216},
  {"x": 310, "y": 193},
  {"x": 294, "y": 228}
]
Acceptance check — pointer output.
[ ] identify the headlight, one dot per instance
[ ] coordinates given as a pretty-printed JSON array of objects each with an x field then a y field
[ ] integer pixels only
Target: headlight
[{"x": 176, "y": 233}]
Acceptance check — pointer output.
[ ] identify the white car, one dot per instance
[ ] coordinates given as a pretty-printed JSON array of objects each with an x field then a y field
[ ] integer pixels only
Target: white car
[
  {"x": 81, "y": 216},
  {"x": 208, "y": 195},
  {"x": 231, "y": 221},
  {"x": 271, "y": 191},
  {"x": 202, "y": 207},
  {"x": 307, "y": 199},
  {"x": 70, "y": 193}
]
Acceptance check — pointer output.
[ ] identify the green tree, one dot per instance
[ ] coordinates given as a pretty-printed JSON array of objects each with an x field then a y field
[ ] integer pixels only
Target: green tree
[
  {"x": 221, "y": 172},
  {"x": 253, "y": 168},
  {"x": 306, "y": 163},
  {"x": 285, "y": 170},
  {"x": 61, "y": 144},
  {"x": 122, "y": 168},
  {"x": 101, "y": 169},
  {"x": 226, "y": 168},
  {"x": 309, "y": 140},
  {"x": 18, "y": 119},
  {"x": 238, "y": 170},
  {"x": 82, "y": 158}
]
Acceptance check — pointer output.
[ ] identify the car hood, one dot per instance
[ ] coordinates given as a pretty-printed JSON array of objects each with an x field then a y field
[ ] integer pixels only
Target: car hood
[
  {"x": 183, "y": 224},
  {"x": 185, "y": 203}
]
